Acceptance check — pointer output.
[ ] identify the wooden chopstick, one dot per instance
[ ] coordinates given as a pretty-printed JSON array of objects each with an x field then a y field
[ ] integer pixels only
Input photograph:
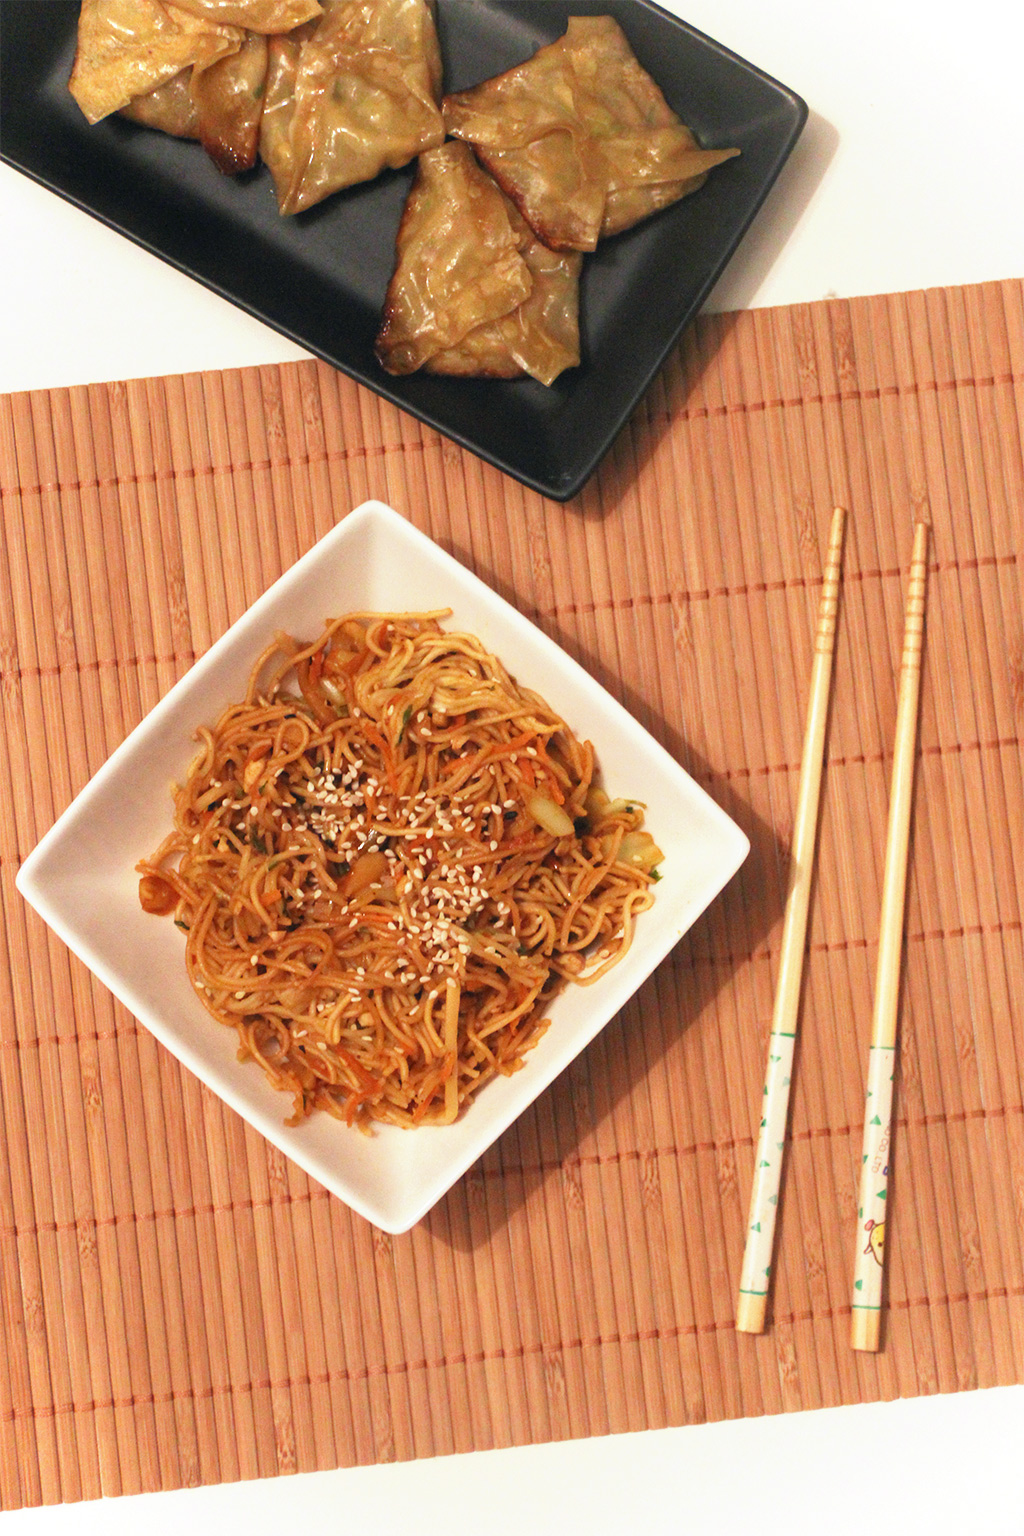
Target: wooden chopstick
[
  {"x": 757, "y": 1258},
  {"x": 869, "y": 1261}
]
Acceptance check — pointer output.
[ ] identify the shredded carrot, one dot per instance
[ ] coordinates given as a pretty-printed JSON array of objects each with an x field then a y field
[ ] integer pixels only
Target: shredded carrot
[
  {"x": 494, "y": 753},
  {"x": 506, "y": 748},
  {"x": 370, "y": 1083},
  {"x": 379, "y": 740},
  {"x": 443, "y": 1074},
  {"x": 312, "y": 694},
  {"x": 354, "y": 1102},
  {"x": 545, "y": 764},
  {"x": 355, "y": 662}
]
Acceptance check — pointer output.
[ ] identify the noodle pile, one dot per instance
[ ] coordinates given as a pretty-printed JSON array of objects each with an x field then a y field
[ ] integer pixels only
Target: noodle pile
[{"x": 387, "y": 859}]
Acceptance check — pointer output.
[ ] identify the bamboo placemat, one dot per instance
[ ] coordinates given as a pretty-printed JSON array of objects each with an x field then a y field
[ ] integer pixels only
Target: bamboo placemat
[{"x": 180, "y": 1304}]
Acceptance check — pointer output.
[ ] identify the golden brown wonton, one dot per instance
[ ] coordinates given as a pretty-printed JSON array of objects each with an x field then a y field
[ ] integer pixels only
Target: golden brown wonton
[
  {"x": 581, "y": 138},
  {"x": 357, "y": 93},
  {"x": 169, "y": 107},
  {"x": 473, "y": 292},
  {"x": 126, "y": 48},
  {"x": 229, "y": 104},
  {"x": 220, "y": 105},
  {"x": 264, "y": 16}
]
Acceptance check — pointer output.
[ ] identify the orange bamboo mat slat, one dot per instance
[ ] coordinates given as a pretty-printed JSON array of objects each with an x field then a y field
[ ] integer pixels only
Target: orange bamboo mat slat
[{"x": 178, "y": 1303}]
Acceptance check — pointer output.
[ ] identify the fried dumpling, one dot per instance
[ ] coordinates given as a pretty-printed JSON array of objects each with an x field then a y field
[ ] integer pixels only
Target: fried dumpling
[
  {"x": 358, "y": 93},
  {"x": 276, "y": 144},
  {"x": 458, "y": 261},
  {"x": 473, "y": 292},
  {"x": 265, "y": 16},
  {"x": 126, "y": 48},
  {"x": 221, "y": 105},
  {"x": 581, "y": 138},
  {"x": 169, "y": 107},
  {"x": 228, "y": 97},
  {"x": 541, "y": 337}
]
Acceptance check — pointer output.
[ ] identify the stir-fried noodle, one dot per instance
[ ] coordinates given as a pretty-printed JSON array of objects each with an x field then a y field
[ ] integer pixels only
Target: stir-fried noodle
[{"x": 387, "y": 858}]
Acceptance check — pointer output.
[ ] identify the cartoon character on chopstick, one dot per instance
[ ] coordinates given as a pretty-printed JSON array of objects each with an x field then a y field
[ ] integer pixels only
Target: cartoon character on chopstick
[{"x": 876, "y": 1239}]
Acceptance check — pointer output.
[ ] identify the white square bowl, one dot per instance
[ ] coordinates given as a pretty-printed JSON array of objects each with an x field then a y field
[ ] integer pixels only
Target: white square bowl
[{"x": 81, "y": 878}]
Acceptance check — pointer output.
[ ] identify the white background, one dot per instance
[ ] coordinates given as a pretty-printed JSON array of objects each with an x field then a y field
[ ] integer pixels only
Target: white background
[{"x": 910, "y": 174}]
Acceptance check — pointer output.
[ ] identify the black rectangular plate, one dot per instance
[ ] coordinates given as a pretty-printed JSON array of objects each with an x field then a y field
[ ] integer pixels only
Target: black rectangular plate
[{"x": 320, "y": 277}]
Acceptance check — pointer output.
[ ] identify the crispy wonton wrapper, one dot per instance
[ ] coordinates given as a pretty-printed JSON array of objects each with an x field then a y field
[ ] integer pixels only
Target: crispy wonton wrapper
[
  {"x": 126, "y": 48},
  {"x": 169, "y": 107},
  {"x": 473, "y": 292},
  {"x": 581, "y": 138},
  {"x": 228, "y": 98},
  {"x": 265, "y": 16},
  {"x": 358, "y": 93},
  {"x": 220, "y": 105}
]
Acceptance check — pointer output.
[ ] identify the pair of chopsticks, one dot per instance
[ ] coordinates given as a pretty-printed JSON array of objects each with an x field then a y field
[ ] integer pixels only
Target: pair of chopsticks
[{"x": 871, "y": 1206}]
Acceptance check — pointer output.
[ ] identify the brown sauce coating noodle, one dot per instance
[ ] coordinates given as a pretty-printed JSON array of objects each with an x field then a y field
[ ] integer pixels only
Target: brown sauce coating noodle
[{"x": 388, "y": 857}]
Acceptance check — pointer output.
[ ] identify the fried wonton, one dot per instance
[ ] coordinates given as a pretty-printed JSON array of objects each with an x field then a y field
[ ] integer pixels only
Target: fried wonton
[
  {"x": 276, "y": 145},
  {"x": 264, "y": 16},
  {"x": 126, "y": 48},
  {"x": 581, "y": 138},
  {"x": 228, "y": 98},
  {"x": 357, "y": 94},
  {"x": 220, "y": 105},
  {"x": 541, "y": 337},
  {"x": 473, "y": 292},
  {"x": 169, "y": 107}
]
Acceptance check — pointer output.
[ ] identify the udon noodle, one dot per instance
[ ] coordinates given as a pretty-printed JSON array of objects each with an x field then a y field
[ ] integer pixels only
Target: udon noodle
[{"x": 387, "y": 858}]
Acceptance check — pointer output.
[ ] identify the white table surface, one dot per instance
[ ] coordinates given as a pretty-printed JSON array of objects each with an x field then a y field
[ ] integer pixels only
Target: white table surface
[{"x": 910, "y": 174}]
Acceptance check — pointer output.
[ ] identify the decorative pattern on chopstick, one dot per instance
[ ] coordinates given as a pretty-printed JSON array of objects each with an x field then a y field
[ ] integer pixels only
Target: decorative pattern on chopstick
[
  {"x": 869, "y": 1259},
  {"x": 764, "y": 1200}
]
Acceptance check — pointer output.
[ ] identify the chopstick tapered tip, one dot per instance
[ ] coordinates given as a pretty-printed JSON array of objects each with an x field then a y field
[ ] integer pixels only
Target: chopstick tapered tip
[
  {"x": 828, "y": 607},
  {"x": 836, "y": 531}
]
